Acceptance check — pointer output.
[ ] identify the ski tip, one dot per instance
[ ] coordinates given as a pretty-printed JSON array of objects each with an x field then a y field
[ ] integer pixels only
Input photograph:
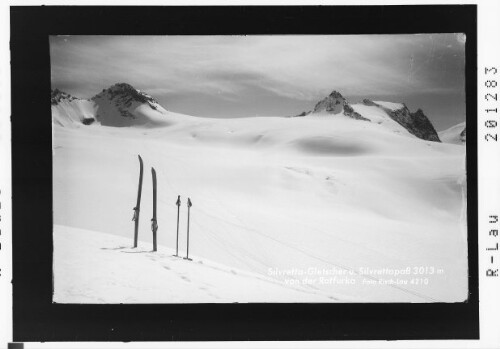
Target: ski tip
[{"x": 140, "y": 159}]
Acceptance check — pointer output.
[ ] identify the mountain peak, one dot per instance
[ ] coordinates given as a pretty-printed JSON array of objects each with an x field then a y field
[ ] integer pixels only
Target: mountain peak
[
  {"x": 368, "y": 102},
  {"x": 336, "y": 94},
  {"x": 122, "y": 87},
  {"x": 335, "y": 103},
  {"x": 124, "y": 94},
  {"x": 118, "y": 105}
]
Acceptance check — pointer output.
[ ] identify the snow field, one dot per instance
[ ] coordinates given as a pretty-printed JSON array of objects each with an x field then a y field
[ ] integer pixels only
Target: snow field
[{"x": 269, "y": 194}]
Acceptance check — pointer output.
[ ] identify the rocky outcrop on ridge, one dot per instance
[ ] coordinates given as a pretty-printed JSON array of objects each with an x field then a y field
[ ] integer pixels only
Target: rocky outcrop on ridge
[{"x": 416, "y": 123}]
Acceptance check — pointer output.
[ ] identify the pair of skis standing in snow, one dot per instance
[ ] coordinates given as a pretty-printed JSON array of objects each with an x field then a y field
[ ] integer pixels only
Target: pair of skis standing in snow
[{"x": 154, "y": 224}]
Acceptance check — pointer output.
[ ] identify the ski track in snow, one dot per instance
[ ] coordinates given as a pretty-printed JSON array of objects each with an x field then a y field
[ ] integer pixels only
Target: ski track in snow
[{"x": 335, "y": 264}]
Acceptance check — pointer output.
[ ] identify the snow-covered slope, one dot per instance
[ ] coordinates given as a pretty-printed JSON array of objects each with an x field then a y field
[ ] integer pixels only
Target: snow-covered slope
[
  {"x": 69, "y": 111},
  {"x": 92, "y": 267},
  {"x": 389, "y": 105},
  {"x": 454, "y": 135},
  {"x": 334, "y": 204},
  {"x": 120, "y": 105}
]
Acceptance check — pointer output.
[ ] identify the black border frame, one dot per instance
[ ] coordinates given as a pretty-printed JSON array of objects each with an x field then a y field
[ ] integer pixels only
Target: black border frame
[{"x": 37, "y": 319}]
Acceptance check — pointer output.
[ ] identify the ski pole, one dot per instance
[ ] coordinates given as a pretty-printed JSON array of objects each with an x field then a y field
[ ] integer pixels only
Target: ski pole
[
  {"x": 178, "y": 203},
  {"x": 189, "y": 204}
]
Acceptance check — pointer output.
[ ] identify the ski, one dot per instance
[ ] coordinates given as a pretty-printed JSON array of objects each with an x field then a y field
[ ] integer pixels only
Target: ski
[
  {"x": 189, "y": 204},
  {"x": 154, "y": 225},
  {"x": 137, "y": 207},
  {"x": 178, "y": 203}
]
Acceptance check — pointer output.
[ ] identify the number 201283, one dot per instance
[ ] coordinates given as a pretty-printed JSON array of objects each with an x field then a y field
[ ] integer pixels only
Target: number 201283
[{"x": 491, "y": 97}]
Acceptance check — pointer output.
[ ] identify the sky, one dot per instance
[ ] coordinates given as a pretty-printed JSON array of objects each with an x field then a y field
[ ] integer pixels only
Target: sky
[{"x": 271, "y": 75}]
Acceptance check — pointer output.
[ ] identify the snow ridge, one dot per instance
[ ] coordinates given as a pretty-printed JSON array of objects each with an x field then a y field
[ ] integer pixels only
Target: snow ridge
[
  {"x": 455, "y": 134},
  {"x": 416, "y": 123},
  {"x": 120, "y": 105}
]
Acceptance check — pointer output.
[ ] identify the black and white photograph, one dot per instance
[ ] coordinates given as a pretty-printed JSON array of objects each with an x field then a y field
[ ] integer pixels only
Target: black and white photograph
[
  {"x": 251, "y": 175},
  {"x": 259, "y": 168}
]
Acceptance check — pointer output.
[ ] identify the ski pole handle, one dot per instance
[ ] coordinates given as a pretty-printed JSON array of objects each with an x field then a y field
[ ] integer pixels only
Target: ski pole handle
[
  {"x": 136, "y": 213},
  {"x": 154, "y": 226}
]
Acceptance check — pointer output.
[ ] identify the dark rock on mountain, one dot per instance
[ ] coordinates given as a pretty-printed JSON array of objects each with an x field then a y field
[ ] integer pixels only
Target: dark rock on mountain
[
  {"x": 421, "y": 126},
  {"x": 56, "y": 96},
  {"x": 369, "y": 102},
  {"x": 335, "y": 103},
  {"x": 88, "y": 121},
  {"x": 463, "y": 135},
  {"x": 416, "y": 123},
  {"x": 304, "y": 113},
  {"x": 122, "y": 95}
]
